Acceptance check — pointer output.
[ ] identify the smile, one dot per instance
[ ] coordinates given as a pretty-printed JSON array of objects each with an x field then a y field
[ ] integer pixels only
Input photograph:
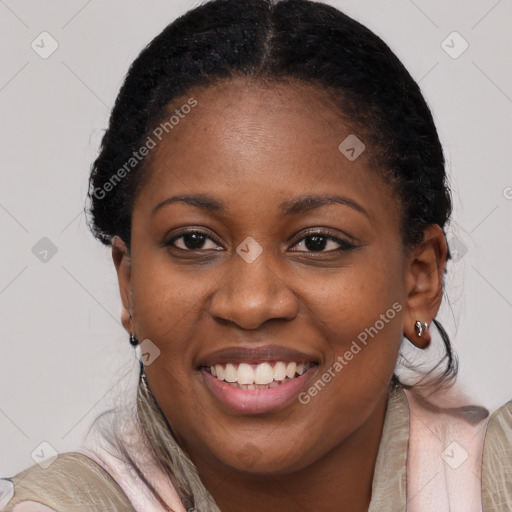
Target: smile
[
  {"x": 266, "y": 375},
  {"x": 257, "y": 388}
]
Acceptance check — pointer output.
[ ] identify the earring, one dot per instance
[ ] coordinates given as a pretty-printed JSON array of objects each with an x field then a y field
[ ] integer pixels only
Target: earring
[
  {"x": 133, "y": 340},
  {"x": 420, "y": 327}
]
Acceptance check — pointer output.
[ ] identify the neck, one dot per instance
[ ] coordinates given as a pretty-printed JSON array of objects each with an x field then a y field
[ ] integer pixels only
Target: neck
[{"x": 340, "y": 481}]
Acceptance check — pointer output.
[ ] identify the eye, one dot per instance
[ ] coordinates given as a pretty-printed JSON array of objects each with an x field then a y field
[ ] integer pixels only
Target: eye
[
  {"x": 192, "y": 241},
  {"x": 317, "y": 241}
]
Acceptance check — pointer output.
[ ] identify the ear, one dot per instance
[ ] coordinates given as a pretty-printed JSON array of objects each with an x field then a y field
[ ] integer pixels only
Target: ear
[
  {"x": 122, "y": 262},
  {"x": 424, "y": 283}
]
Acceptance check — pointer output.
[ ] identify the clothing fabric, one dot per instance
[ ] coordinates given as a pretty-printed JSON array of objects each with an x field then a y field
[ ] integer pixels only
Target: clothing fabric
[
  {"x": 72, "y": 483},
  {"x": 445, "y": 457}
]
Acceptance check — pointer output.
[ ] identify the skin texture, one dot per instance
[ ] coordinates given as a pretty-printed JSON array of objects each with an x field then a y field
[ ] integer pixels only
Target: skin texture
[{"x": 253, "y": 147}]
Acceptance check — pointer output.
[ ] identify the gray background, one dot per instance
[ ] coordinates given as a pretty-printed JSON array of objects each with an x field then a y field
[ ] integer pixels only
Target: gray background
[{"x": 65, "y": 356}]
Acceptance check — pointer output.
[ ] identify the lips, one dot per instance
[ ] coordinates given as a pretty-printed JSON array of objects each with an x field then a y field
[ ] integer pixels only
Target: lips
[
  {"x": 256, "y": 379},
  {"x": 255, "y": 355}
]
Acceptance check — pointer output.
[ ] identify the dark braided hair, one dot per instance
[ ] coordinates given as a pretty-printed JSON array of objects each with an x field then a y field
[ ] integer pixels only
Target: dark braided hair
[
  {"x": 271, "y": 41},
  {"x": 307, "y": 41}
]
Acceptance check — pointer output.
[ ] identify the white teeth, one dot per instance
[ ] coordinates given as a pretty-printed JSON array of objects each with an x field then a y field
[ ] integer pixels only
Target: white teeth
[
  {"x": 261, "y": 376},
  {"x": 290, "y": 370},
  {"x": 279, "y": 371},
  {"x": 220, "y": 371},
  {"x": 231, "y": 374},
  {"x": 245, "y": 374}
]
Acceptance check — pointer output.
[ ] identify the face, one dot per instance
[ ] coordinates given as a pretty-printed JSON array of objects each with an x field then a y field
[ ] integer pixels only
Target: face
[{"x": 259, "y": 277}]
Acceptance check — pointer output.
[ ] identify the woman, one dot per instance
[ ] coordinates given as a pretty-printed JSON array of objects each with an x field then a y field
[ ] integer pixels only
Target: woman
[{"x": 274, "y": 192}]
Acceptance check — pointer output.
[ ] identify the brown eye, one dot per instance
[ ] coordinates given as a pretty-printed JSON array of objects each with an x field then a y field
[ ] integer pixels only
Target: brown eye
[
  {"x": 319, "y": 241},
  {"x": 191, "y": 241}
]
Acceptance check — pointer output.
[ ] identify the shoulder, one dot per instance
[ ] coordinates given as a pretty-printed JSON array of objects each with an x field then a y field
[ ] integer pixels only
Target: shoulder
[
  {"x": 445, "y": 449},
  {"x": 72, "y": 482},
  {"x": 497, "y": 460}
]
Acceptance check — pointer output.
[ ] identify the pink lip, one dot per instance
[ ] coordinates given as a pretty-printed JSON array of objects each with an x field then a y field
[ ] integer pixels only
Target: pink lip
[{"x": 256, "y": 401}]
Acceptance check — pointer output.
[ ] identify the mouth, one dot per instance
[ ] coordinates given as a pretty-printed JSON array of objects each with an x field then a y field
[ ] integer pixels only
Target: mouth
[
  {"x": 265, "y": 375},
  {"x": 256, "y": 380}
]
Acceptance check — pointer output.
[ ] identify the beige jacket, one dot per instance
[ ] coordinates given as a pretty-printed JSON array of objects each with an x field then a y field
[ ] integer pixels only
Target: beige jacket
[{"x": 428, "y": 461}]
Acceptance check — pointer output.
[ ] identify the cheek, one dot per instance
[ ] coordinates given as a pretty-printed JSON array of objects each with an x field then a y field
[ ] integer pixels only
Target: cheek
[
  {"x": 166, "y": 292},
  {"x": 359, "y": 311},
  {"x": 168, "y": 310},
  {"x": 355, "y": 297},
  {"x": 360, "y": 317}
]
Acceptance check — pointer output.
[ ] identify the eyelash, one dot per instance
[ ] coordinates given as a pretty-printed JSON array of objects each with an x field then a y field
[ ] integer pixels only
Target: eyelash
[{"x": 344, "y": 245}]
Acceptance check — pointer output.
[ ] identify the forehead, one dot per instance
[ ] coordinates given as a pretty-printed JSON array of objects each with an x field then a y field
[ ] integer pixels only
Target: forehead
[
  {"x": 263, "y": 141},
  {"x": 247, "y": 115}
]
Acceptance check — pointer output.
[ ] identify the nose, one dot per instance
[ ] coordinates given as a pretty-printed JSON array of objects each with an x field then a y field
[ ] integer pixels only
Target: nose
[{"x": 252, "y": 293}]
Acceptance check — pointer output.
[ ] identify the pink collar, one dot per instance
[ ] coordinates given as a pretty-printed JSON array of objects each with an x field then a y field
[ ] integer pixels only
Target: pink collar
[{"x": 427, "y": 459}]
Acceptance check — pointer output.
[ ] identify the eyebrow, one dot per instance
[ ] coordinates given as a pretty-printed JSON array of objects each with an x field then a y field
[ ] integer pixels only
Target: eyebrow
[{"x": 295, "y": 206}]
